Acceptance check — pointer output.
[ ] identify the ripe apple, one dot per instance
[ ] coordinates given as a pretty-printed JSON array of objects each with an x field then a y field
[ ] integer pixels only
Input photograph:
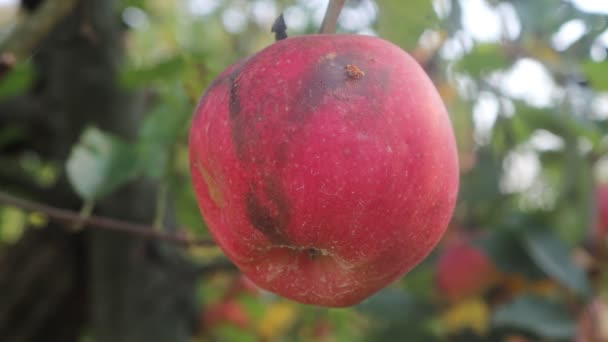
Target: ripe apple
[
  {"x": 225, "y": 312},
  {"x": 601, "y": 198},
  {"x": 463, "y": 270},
  {"x": 325, "y": 166}
]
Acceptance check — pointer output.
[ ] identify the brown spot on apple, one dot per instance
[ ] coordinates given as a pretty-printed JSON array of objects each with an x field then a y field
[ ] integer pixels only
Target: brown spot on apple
[{"x": 353, "y": 72}]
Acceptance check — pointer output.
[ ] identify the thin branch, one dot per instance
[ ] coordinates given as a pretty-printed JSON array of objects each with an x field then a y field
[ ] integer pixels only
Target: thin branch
[
  {"x": 279, "y": 28},
  {"x": 100, "y": 222},
  {"x": 218, "y": 266},
  {"x": 26, "y": 36},
  {"x": 330, "y": 21}
]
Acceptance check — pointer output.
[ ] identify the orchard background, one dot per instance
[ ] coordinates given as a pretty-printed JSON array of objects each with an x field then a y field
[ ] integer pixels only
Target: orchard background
[{"x": 96, "y": 98}]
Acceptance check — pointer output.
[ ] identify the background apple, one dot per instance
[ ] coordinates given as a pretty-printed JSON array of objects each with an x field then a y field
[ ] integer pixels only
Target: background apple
[
  {"x": 463, "y": 269},
  {"x": 601, "y": 198}
]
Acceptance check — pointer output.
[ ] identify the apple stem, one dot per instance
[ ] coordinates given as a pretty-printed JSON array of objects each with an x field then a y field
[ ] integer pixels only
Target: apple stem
[
  {"x": 330, "y": 21},
  {"x": 279, "y": 28}
]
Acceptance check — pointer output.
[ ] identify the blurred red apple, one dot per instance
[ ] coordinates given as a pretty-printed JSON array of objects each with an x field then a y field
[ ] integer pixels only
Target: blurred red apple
[
  {"x": 601, "y": 198},
  {"x": 225, "y": 312},
  {"x": 463, "y": 270},
  {"x": 325, "y": 166}
]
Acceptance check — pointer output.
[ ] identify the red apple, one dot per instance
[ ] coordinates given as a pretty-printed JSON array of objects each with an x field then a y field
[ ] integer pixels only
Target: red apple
[
  {"x": 601, "y": 198},
  {"x": 325, "y": 166},
  {"x": 225, "y": 312},
  {"x": 463, "y": 270}
]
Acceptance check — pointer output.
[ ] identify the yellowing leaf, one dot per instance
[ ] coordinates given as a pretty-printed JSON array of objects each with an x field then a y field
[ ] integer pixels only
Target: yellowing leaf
[
  {"x": 37, "y": 219},
  {"x": 517, "y": 284},
  {"x": 472, "y": 313},
  {"x": 277, "y": 319},
  {"x": 12, "y": 224}
]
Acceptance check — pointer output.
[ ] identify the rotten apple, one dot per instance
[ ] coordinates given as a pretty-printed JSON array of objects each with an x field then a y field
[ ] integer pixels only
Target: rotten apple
[{"x": 325, "y": 166}]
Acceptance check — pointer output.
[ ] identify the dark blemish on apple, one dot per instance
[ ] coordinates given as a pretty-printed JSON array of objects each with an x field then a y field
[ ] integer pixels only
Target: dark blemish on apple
[
  {"x": 324, "y": 78},
  {"x": 270, "y": 218},
  {"x": 313, "y": 253},
  {"x": 234, "y": 105},
  {"x": 282, "y": 155},
  {"x": 240, "y": 136}
]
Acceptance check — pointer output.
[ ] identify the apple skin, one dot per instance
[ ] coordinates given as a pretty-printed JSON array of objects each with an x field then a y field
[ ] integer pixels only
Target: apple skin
[
  {"x": 463, "y": 270},
  {"x": 601, "y": 198},
  {"x": 325, "y": 166}
]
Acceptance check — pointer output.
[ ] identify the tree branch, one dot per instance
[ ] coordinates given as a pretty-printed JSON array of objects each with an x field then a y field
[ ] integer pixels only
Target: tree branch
[
  {"x": 100, "y": 222},
  {"x": 330, "y": 21},
  {"x": 31, "y": 31}
]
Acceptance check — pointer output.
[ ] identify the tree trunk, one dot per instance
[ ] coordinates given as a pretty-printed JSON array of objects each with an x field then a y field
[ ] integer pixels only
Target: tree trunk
[{"x": 132, "y": 290}]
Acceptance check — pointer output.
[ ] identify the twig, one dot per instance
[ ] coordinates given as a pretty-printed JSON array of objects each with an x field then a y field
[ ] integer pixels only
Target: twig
[
  {"x": 330, "y": 21},
  {"x": 279, "y": 28},
  {"x": 31, "y": 31},
  {"x": 100, "y": 222}
]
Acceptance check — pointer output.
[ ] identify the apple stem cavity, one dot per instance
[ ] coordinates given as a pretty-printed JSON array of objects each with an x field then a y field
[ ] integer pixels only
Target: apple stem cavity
[
  {"x": 330, "y": 21},
  {"x": 279, "y": 28}
]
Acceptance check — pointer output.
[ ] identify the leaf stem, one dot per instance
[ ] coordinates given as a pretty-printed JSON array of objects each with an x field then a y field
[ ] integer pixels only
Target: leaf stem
[{"x": 85, "y": 213}]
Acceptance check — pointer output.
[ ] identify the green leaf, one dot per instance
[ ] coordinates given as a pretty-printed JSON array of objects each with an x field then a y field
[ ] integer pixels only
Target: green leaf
[
  {"x": 412, "y": 20},
  {"x": 398, "y": 313},
  {"x": 390, "y": 305},
  {"x": 553, "y": 257},
  {"x": 597, "y": 74},
  {"x": 483, "y": 59},
  {"x": 13, "y": 223},
  {"x": 537, "y": 315},
  {"x": 137, "y": 77},
  {"x": 17, "y": 80},
  {"x": 160, "y": 132},
  {"x": 508, "y": 252},
  {"x": 99, "y": 163},
  {"x": 563, "y": 124}
]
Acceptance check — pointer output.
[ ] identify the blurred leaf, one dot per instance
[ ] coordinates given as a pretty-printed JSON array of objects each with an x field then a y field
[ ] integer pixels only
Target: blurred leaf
[
  {"x": 161, "y": 130},
  {"x": 553, "y": 257},
  {"x": 17, "y": 80},
  {"x": 394, "y": 305},
  {"x": 472, "y": 313},
  {"x": 398, "y": 315},
  {"x": 509, "y": 254},
  {"x": 537, "y": 315},
  {"x": 231, "y": 333},
  {"x": 412, "y": 20},
  {"x": 481, "y": 184},
  {"x": 13, "y": 222},
  {"x": 597, "y": 74},
  {"x": 535, "y": 19},
  {"x": 163, "y": 71},
  {"x": 99, "y": 163},
  {"x": 484, "y": 58},
  {"x": 278, "y": 318},
  {"x": 530, "y": 119}
]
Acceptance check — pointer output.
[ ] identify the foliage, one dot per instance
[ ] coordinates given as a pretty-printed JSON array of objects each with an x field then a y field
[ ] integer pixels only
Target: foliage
[{"x": 531, "y": 158}]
